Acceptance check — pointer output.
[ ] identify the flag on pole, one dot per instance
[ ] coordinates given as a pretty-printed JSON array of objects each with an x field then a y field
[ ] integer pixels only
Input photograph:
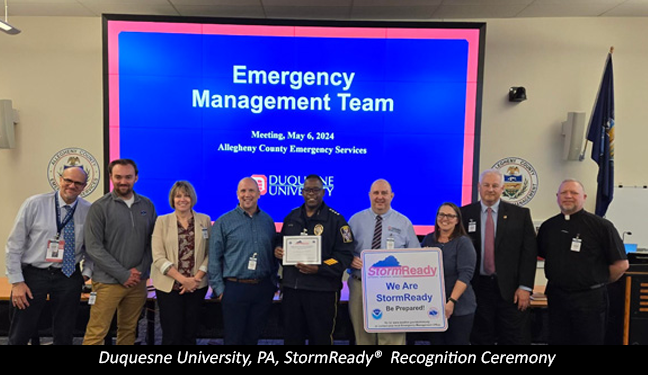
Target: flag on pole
[{"x": 601, "y": 134}]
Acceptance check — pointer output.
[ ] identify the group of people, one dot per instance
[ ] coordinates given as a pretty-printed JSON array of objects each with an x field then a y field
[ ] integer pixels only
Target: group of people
[{"x": 489, "y": 248}]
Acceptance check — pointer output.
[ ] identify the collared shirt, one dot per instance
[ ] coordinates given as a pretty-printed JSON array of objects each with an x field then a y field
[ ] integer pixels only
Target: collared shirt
[
  {"x": 395, "y": 225},
  {"x": 484, "y": 216},
  {"x": 586, "y": 265},
  {"x": 35, "y": 224},
  {"x": 236, "y": 239},
  {"x": 118, "y": 237}
]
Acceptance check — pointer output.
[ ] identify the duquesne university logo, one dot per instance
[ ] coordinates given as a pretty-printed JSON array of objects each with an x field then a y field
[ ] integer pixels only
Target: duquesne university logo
[{"x": 287, "y": 185}]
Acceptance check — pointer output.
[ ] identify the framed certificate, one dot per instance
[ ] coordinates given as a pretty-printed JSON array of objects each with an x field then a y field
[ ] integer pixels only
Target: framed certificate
[{"x": 302, "y": 249}]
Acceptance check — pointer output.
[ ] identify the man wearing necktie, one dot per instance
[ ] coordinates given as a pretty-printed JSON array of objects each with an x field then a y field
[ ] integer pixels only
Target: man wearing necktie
[
  {"x": 377, "y": 227},
  {"x": 504, "y": 237},
  {"x": 43, "y": 251}
]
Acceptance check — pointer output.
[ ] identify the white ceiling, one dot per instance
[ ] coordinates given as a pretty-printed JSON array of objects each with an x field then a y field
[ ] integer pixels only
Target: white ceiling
[{"x": 335, "y": 9}]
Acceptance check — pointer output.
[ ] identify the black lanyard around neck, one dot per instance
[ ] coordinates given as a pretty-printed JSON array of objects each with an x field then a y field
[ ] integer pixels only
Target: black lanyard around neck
[{"x": 60, "y": 225}]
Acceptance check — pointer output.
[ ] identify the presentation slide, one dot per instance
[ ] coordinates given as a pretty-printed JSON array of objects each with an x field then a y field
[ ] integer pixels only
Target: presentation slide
[{"x": 212, "y": 103}]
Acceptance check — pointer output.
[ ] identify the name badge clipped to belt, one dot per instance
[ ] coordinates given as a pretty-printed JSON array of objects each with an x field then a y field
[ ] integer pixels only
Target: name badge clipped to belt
[
  {"x": 55, "y": 249},
  {"x": 576, "y": 244}
]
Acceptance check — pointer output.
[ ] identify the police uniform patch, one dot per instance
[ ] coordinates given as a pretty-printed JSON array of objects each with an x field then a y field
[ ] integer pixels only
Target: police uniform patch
[
  {"x": 318, "y": 230},
  {"x": 345, "y": 231}
]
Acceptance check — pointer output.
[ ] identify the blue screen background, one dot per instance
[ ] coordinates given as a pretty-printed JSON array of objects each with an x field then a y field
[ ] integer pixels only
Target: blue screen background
[{"x": 418, "y": 146}]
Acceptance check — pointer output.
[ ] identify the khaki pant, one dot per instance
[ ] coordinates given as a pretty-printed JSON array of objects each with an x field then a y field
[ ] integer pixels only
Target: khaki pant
[
  {"x": 356, "y": 313},
  {"x": 128, "y": 302}
]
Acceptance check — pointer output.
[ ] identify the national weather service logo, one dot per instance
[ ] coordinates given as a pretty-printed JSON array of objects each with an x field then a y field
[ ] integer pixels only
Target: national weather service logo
[
  {"x": 520, "y": 180},
  {"x": 73, "y": 157}
]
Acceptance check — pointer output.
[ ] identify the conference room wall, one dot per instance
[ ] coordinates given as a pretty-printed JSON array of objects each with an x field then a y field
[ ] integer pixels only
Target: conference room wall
[{"x": 52, "y": 72}]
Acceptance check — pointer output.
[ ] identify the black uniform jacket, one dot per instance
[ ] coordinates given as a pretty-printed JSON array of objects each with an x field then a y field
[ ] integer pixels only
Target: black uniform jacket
[{"x": 337, "y": 248}]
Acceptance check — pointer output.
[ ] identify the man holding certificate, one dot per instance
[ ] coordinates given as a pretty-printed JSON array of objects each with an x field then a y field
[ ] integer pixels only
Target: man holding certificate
[{"x": 317, "y": 249}]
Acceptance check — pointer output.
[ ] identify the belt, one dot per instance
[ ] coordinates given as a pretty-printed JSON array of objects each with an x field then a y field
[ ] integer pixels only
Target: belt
[
  {"x": 50, "y": 268},
  {"x": 244, "y": 281}
]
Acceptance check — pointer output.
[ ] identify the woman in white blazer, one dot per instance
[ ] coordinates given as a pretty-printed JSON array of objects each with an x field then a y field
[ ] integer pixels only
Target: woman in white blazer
[{"x": 180, "y": 250}]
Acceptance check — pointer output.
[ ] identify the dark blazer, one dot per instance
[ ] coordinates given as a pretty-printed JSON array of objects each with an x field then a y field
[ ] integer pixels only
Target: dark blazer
[{"x": 516, "y": 250}]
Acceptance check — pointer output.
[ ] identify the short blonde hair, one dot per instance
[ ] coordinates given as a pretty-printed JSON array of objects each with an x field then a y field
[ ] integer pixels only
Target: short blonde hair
[{"x": 187, "y": 188}]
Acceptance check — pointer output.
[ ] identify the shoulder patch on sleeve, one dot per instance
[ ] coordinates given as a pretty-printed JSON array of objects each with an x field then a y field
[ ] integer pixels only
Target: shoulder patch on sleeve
[
  {"x": 345, "y": 231},
  {"x": 330, "y": 262}
]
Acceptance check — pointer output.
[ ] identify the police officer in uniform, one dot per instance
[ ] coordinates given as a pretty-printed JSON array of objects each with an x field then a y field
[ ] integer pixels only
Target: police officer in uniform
[
  {"x": 583, "y": 253},
  {"x": 311, "y": 292}
]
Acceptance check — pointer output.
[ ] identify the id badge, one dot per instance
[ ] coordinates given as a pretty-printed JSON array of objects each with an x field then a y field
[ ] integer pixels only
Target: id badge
[
  {"x": 252, "y": 263},
  {"x": 55, "y": 249},
  {"x": 472, "y": 226},
  {"x": 576, "y": 244},
  {"x": 205, "y": 233},
  {"x": 92, "y": 299}
]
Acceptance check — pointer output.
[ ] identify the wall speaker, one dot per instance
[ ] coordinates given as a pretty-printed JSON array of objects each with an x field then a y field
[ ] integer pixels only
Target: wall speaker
[
  {"x": 8, "y": 118},
  {"x": 573, "y": 131}
]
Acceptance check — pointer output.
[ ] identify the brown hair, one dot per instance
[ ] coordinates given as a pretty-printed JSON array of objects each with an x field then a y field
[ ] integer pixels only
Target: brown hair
[{"x": 459, "y": 229}]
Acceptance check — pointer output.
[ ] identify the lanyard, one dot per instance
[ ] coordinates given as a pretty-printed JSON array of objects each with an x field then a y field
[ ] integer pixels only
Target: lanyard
[{"x": 60, "y": 225}]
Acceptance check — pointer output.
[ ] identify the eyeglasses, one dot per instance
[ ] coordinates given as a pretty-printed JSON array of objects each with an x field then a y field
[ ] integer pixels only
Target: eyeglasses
[
  {"x": 78, "y": 184},
  {"x": 446, "y": 216},
  {"x": 311, "y": 190}
]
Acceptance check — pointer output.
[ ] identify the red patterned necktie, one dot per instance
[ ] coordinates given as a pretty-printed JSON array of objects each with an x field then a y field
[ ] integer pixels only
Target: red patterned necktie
[{"x": 489, "y": 244}]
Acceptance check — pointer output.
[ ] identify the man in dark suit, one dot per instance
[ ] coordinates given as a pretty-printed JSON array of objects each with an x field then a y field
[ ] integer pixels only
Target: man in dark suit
[{"x": 504, "y": 238}]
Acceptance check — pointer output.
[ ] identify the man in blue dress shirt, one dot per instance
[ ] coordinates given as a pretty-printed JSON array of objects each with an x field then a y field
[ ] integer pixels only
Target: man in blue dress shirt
[
  {"x": 46, "y": 223},
  {"x": 242, "y": 266},
  {"x": 379, "y": 227}
]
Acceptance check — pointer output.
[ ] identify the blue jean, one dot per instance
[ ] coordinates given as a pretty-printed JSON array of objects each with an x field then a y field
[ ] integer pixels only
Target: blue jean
[{"x": 64, "y": 298}]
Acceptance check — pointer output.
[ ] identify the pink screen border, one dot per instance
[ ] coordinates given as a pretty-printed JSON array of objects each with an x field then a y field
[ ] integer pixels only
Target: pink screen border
[{"x": 471, "y": 35}]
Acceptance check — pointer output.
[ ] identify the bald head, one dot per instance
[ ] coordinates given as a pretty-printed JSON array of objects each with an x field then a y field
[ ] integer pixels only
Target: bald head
[
  {"x": 248, "y": 195},
  {"x": 72, "y": 182},
  {"x": 380, "y": 196}
]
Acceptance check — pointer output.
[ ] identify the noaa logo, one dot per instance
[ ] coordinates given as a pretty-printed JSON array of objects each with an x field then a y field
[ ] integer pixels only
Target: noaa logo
[
  {"x": 73, "y": 157},
  {"x": 376, "y": 314},
  {"x": 520, "y": 180}
]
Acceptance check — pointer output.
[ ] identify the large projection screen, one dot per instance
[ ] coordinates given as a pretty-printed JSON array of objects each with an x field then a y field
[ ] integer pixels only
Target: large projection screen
[{"x": 214, "y": 100}]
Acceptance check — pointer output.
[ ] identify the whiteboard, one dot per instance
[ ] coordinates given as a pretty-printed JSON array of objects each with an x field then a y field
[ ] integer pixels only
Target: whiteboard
[{"x": 629, "y": 213}]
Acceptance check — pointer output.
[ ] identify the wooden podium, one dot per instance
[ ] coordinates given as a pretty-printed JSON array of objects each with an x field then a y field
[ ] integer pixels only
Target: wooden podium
[{"x": 635, "y": 317}]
